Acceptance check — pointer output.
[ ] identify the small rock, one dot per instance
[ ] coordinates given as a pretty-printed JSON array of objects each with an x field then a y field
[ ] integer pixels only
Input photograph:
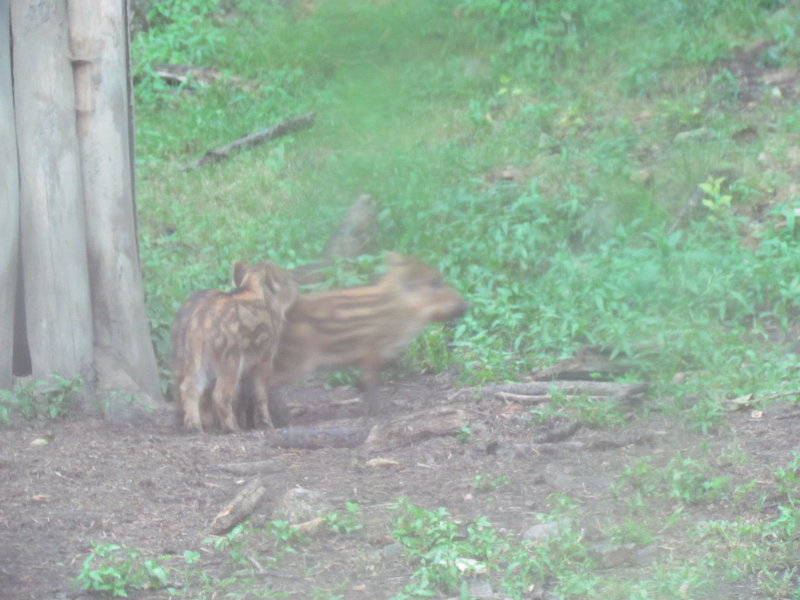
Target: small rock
[
  {"x": 544, "y": 531},
  {"x": 646, "y": 555},
  {"x": 480, "y": 589},
  {"x": 470, "y": 565},
  {"x": 393, "y": 550},
  {"x": 299, "y": 505},
  {"x": 611, "y": 556}
]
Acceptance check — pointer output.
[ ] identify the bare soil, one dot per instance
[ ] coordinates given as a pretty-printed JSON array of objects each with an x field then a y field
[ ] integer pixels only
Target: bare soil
[{"x": 158, "y": 489}]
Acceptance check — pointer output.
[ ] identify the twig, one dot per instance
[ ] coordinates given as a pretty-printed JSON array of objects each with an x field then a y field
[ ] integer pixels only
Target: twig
[
  {"x": 782, "y": 395},
  {"x": 256, "y": 564},
  {"x": 522, "y": 398},
  {"x": 238, "y": 509},
  {"x": 252, "y": 468},
  {"x": 568, "y": 388},
  {"x": 252, "y": 140}
]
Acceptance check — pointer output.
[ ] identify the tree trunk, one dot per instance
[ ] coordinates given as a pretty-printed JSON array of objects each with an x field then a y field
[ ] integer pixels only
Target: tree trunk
[
  {"x": 56, "y": 274},
  {"x": 83, "y": 296},
  {"x": 9, "y": 202},
  {"x": 122, "y": 346}
]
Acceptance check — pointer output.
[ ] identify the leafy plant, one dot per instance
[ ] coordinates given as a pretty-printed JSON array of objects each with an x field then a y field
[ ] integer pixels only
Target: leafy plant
[
  {"x": 682, "y": 478},
  {"x": 715, "y": 199},
  {"x": 285, "y": 537},
  {"x": 688, "y": 481},
  {"x": 41, "y": 399},
  {"x": 487, "y": 482},
  {"x": 347, "y": 523},
  {"x": 788, "y": 478},
  {"x": 115, "y": 571},
  {"x": 449, "y": 554},
  {"x": 178, "y": 32}
]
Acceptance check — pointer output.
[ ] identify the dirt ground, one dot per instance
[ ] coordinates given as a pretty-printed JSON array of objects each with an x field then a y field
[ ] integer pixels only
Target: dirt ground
[{"x": 158, "y": 489}]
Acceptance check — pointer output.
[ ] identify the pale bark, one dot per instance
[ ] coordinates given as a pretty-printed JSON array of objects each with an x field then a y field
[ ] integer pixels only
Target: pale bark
[
  {"x": 56, "y": 275},
  {"x": 240, "y": 508},
  {"x": 98, "y": 37},
  {"x": 9, "y": 202}
]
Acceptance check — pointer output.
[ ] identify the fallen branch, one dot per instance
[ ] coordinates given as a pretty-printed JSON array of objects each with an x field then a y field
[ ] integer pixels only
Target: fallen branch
[
  {"x": 314, "y": 438},
  {"x": 782, "y": 395},
  {"x": 252, "y": 140},
  {"x": 252, "y": 468},
  {"x": 401, "y": 431},
  {"x": 521, "y": 398},
  {"x": 558, "y": 435},
  {"x": 309, "y": 527},
  {"x": 567, "y": 388},
  {"x": 416, "y": 427},
  {"x": 240, "y": 508}
]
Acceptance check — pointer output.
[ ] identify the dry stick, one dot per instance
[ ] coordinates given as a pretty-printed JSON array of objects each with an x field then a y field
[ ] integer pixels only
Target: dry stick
[
  {"x": 568, "y": 388},
  {"x": 253, "y": 468},
  {"x": 522, "y": 398},
  {"x": 397, "y": 432},
  {"x": 240, "y": 508},
  {"x": 782, "y": 395},
  {"x": 252, "y": 140},
  {"x": 413, "y": 428}
]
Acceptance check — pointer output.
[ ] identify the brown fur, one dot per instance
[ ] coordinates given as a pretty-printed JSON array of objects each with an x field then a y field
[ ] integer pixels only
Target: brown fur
[
  {"x": 365, "y": 326},
  {"x": 221, "y": 339}
]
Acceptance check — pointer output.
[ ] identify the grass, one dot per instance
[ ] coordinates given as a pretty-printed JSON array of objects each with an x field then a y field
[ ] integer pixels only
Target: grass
[
  {"x": 574, "y": 249},
  {"x": 541, "y": 154}
]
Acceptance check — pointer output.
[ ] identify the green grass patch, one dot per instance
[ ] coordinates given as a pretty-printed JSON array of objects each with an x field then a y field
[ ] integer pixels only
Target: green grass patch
[{"x": 541, "y": 154}]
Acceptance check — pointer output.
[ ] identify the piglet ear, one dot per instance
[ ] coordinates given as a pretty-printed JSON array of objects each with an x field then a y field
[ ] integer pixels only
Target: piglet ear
[{"x": 238, "y": 272}]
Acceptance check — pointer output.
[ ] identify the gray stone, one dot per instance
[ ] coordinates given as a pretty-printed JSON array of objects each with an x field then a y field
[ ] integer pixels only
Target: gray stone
[
  {"x": 545, "y": 531},
  {"x": 299, "y": 505},
  {"x": 611, "y": 556}
]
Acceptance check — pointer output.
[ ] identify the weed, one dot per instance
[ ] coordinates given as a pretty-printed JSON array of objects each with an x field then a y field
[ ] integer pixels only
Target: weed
[
  {"x": 285, "y": 537},
  {"x": 715, "y": 199},
  {"x": 449, "y": 554},
  {"x": 42, "y": 399},
  {"x": 486, "y": 482},
  {"x": 233, "y": 543},
  {"x": 114, "y": 571},
  {"x": 631, "y": 530},
  {"x": 787, "y": 479},
  {"x": 765, "y": 549},
  {"x": 464, "y": 434},
  {"x": 347, "y": 523},
  {"x": 178, "y": 32},
  {"x": 683, "y": 479},
  {"x": 688, "y": 481}
]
